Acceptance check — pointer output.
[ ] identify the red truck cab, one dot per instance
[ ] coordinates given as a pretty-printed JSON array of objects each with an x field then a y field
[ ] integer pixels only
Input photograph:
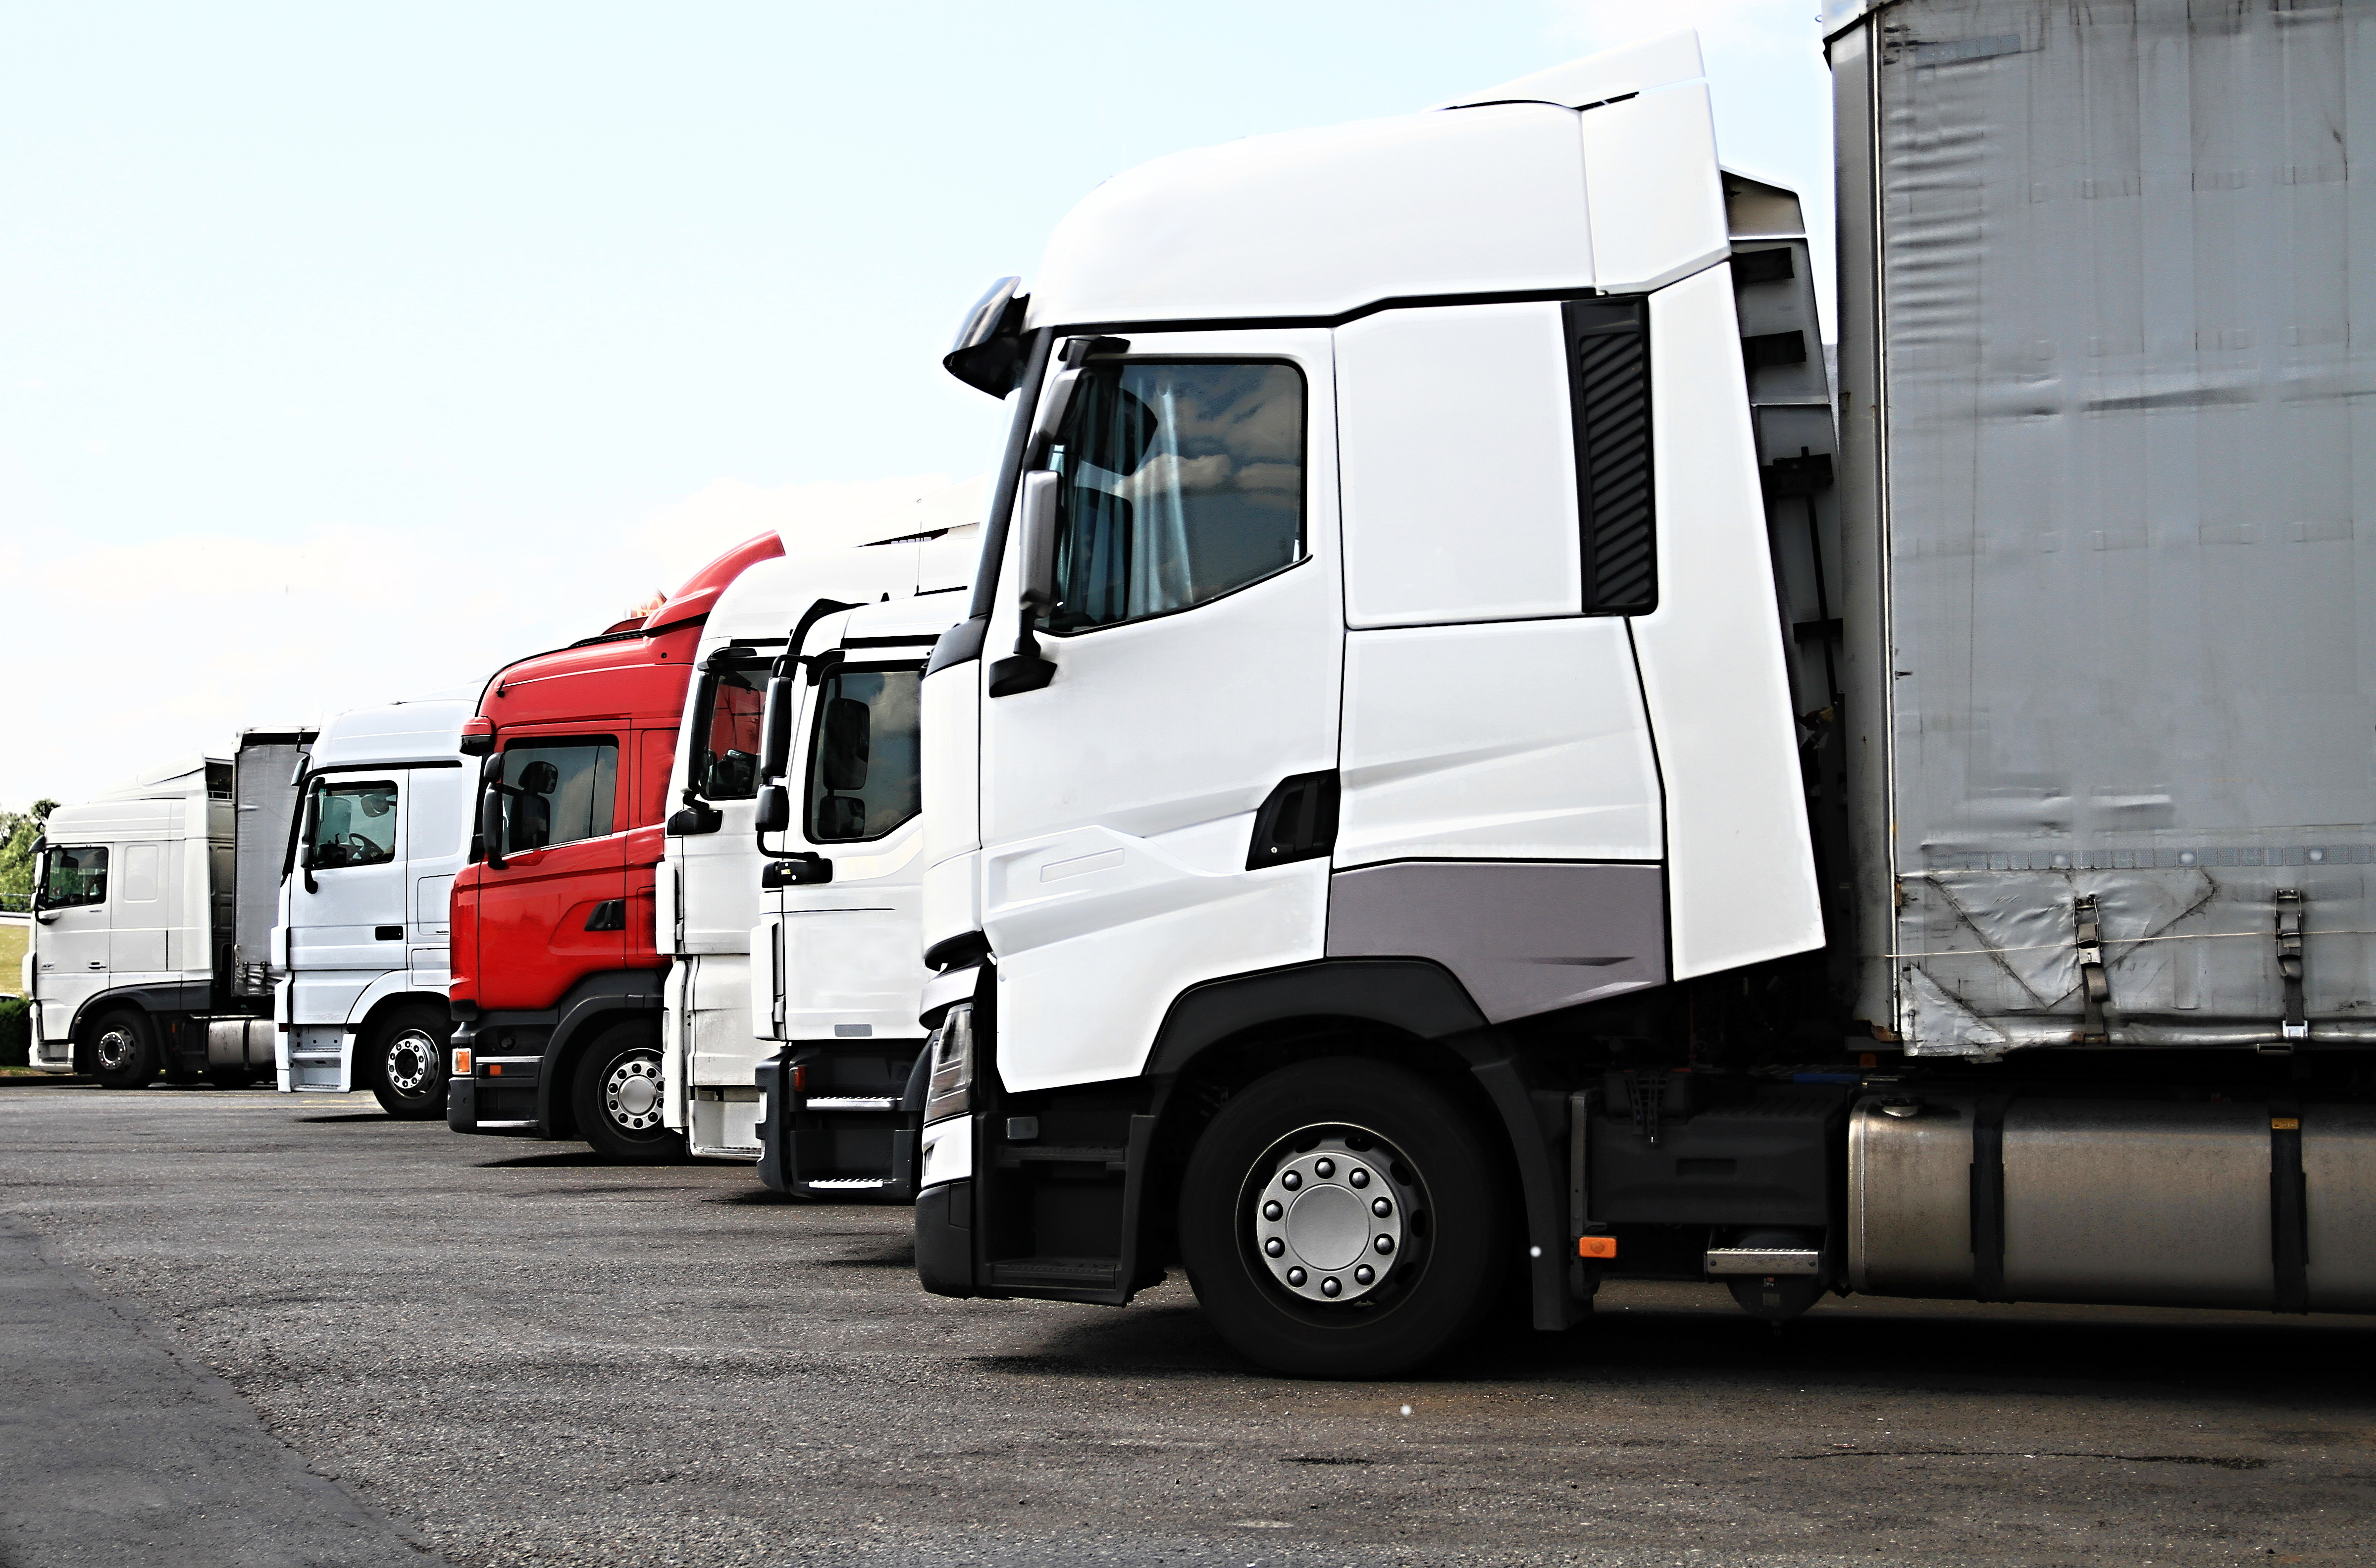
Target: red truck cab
[{"x": 557, "y": 971}]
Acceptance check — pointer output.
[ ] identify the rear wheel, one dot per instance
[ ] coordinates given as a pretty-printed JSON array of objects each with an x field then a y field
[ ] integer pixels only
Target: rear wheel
[
  {"x": 618, "y": 1095},
  {"x": 123, "y": 1049},
  {"x": 404, "y": 1062},
  {"x": 1339, "y": 1219}
]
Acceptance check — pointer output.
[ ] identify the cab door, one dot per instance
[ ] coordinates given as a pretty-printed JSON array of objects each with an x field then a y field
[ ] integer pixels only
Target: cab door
[
  {"x": 555, "y": 909},
  {"x": 70, "y": 937},
  {"x": 1196, "y": 645},
  {"x": 346, "y": 899}
]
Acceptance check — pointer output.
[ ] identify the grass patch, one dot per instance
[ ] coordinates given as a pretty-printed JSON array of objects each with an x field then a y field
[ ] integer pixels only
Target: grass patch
[{"x": 13, "y": 941}]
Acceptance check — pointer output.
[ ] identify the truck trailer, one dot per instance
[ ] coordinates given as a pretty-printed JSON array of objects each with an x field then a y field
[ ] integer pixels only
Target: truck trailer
[
  {"x": 1470, "y": 771},
  {"x": 153, "y": 914}
]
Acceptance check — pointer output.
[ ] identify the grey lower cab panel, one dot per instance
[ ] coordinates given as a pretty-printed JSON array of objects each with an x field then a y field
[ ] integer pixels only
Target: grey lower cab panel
[
  {"x": 2167, "y": 1204},
  {"x": 1522, "y": 936}
]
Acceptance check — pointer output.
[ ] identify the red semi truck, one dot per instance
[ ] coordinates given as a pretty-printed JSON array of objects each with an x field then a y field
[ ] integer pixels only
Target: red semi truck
[{"x": 557, "y": 983}]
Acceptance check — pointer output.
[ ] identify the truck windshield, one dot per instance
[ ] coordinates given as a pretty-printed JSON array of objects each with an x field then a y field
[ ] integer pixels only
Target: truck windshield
[
  {"x": 1181, "y": 482},
  {"x": 354, "y": 825},
  {"x": 729, "y": 759},
  {"x": 560, "y": 791},
  {"x": 74, "y": 876},
  {"x": 862, "y": 756}
]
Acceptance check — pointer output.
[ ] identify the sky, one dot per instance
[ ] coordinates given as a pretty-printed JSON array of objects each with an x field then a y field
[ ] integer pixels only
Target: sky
[{"x": 348, "y": 353}]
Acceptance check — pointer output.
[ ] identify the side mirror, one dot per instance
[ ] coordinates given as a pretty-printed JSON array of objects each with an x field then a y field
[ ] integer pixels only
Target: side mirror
[
  {"x": 775, "y": 730},
  {"x": 1052, "y": 405},
  {"x": 308, "y": 822},
  {"x": 774, "y": 810},
  {"x": 849, "y": 744},
  {"x": 478, "y": 736},
  {"x": 490, "y": 820},
  {"x": 1038, "y": 574}
]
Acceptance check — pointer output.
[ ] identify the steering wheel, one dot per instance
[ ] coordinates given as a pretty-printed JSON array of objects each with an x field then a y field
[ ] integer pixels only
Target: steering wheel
[{"x": 359, "y": 848}]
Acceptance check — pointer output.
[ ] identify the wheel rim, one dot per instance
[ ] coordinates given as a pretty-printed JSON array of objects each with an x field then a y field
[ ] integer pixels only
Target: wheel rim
[
  {"x": 411, "y": 1062},
  {"x": 631, "y": 1094},
  {"x": 116, "y": 1049},
  {"x": 1336, "y": 1217}
]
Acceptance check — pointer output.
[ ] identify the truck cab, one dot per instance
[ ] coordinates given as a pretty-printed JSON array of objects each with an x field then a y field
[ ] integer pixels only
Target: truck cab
[
  {"x": 712, "y": 898},
  {"x": 558, "y": 981},
  {"x": 154, "y": 915},
  {"x": 835, "y": 959},
  {"x": 364, "y": 937}
]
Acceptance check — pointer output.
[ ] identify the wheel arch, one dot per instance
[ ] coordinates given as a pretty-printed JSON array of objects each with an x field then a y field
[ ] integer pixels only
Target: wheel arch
[
  {"x": 593, "y": 1006},
  {"x": 1221, "y": 1036}
]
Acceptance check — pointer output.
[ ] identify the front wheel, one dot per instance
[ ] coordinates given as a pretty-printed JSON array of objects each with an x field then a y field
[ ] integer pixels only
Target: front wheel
[
  {"x": 618, "y": 1095},
  {"x": 1341, "y": 1218},
  {"x": 123, "y": 1049},
  {"x": 404, "y": 1062}
]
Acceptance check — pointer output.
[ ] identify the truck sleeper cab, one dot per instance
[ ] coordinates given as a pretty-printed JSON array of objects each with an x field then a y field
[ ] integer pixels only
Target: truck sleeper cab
[
  {"x": 836, "y": 958},
  {"x": 154, "y": 908},
  {"x": 711, "y": 882},
  {"x": 1405, "y": 810},
  {"x": 363, "y": 934},
  {"x": 557, "y": 994}
]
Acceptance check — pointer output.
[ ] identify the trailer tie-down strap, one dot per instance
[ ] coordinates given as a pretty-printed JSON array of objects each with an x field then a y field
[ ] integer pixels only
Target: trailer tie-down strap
[
  {"x": 1988, "y": 1198},
  {"x": 2094, "y": 988},
  {"x": 2290, "y": 917},
  {"x": 2288, "y": 1211}
]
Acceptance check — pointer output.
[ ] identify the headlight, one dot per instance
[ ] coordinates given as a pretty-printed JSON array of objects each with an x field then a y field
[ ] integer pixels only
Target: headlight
[{"x": 952, "y": 1048}]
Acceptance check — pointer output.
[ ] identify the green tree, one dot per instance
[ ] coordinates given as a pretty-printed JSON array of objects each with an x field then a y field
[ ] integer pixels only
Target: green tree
[{"x": 17, "y": 831}]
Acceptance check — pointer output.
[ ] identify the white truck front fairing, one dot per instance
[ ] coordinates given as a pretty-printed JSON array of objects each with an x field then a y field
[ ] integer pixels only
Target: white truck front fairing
[{"x": 363, "y": 934}]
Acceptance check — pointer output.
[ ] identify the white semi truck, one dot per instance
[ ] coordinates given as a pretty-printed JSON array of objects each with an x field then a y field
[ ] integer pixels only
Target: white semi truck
[
  {"x": 836, "y": 958},
  {"x": 1455, "y": 781},
  {"x": 709, "y": 893},
  {"x": 153, "y": 914},
  {"x": 364, "y": 925}
]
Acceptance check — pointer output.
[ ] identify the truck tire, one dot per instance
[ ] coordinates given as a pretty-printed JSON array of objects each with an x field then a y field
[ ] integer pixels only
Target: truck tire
[
  {"x": 404, "y": 1061},
  {"x": 618, "y": 1095},
  {"x": 1341, "y": 1218},
  {"x": 123, "y": 1049}
]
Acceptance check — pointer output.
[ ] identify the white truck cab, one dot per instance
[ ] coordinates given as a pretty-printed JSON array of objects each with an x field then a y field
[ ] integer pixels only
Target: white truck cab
[
  {"x": 836, "y": 959},
  {"x": 363, "y": 940},
  {"x": 708, "y": 890}
]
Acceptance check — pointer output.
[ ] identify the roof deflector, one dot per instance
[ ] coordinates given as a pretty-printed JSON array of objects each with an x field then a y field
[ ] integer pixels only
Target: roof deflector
[{"x": 1614, "y": 73}]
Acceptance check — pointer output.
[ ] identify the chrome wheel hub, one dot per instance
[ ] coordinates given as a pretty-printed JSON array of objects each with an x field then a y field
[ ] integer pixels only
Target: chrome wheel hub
[
  {"x": 114, "y": 1050},
  {"x": 411, "y": 1062},
  {"x": 631, "y": 1095},
  {"x": 1330, "y": 1223}
]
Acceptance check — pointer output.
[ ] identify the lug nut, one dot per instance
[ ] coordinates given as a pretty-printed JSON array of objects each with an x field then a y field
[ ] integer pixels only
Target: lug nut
[
  {"x": 1329, "y": 1286},
  {"x": 1323, "y": 1168},
  {"x": 1296, "y": 1276},
  {"x": 1384, "y": 1243},
  {"x": 1271, "y": 1209},
  {"x": 1274, "y": 1246},
  {"x": 1365, "y": 1274},
  {"x": 1380, "y": 1208},
  {"x": 1290, "y": 1181},
  {"x": 1358, "y": 1177}
]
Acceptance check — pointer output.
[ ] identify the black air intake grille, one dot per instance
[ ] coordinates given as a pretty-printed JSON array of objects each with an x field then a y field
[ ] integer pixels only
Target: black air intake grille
[{"x": 1609, "y": 354}]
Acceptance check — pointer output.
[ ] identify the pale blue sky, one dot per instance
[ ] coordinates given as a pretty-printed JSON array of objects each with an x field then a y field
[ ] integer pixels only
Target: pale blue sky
[{"x": 345, "y": 351}]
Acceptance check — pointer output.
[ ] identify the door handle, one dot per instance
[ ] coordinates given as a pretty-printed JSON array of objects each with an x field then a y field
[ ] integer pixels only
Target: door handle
[{"x": 99, "y": 963}]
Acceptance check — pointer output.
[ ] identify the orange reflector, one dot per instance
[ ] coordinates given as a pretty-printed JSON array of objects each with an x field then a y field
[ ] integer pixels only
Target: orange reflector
[
  {"x": 801, "y": 1078},
  {"x": 495, "y": 1069},
  {"x": 1596, "y": 1246},
  {"x": 1868, "y": 1060},
  {"x": 2285, "y": 1123},
  {"x": 461, "y": 1062}
]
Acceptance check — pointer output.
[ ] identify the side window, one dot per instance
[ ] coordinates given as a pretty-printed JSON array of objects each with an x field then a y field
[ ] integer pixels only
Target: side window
[
  {"x": 560, "y": 791},
  {"x": 1181, "y": 482},
  {"x": 864, "y": 780},
  {"x": 354, "y": 825},
  {"x": 74, "y": 876},
  {"x": 727, "y": 767}
]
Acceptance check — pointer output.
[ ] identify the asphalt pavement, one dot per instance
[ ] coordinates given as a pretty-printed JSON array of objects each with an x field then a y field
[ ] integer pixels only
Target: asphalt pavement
[{"x": 241, "y": 1328}]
